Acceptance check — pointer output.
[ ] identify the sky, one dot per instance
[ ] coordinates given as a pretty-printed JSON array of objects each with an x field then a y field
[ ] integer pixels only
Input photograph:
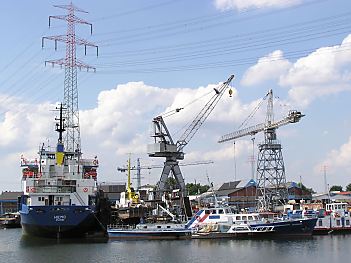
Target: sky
[{"x": 158, "y": 55}]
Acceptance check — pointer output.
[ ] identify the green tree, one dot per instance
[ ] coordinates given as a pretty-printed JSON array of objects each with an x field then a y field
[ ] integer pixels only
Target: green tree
[
  {"x": 303, "y": 187},
  {"x": 171, "y": 183},
  {"x": 335, "y": 188},
  {"x": 194, "y": 189},
  {"x": 348, "y": 187}
]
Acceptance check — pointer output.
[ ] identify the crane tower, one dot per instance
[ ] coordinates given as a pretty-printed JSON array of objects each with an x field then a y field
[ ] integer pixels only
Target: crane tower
[
  {"x": 271, "y": 180},
  {"x": 165, "y": 146}
]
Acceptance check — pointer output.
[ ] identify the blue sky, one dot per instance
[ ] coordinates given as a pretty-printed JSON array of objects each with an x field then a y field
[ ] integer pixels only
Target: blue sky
[{"x": 156, "y": 55}]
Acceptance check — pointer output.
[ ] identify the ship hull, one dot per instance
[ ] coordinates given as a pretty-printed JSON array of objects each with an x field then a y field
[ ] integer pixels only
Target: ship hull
[
  {"x": 291, "y": 228},
  {"x": 59, "y": 221},
  {"x": 148, "y": 235}
]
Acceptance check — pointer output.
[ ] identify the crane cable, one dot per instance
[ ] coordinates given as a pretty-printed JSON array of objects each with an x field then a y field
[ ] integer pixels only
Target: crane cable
[
  {"x": 253, "y": 112},
  {"x": 174, "y": 111}
]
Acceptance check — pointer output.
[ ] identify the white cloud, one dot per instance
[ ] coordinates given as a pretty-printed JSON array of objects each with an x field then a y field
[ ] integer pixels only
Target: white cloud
[
  {"x": 224, "y": 152},
  {"x": 337, "y": 165},
  {"x": 250, "y": 4},
  {"x": 323, "y": 72},
  {"x": 270, "y": 67},
  {"x": 340, "y": 158}
]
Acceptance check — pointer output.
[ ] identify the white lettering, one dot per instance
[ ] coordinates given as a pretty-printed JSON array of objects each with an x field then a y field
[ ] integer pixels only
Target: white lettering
[{"x": 60, "y": 218}]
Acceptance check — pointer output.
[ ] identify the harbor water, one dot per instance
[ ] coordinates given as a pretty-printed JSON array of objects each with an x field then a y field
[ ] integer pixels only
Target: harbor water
[{"x": 16, "y": 248}]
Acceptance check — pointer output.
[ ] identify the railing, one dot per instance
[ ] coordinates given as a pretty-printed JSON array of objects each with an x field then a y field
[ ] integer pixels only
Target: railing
[
  {"x": 50, "y": 189},
  {"x": 117, "y": 226}
]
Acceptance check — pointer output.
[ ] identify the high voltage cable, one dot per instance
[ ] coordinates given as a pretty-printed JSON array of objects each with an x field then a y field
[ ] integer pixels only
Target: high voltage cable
[
  {"x": 136, "y": 10},
  {"x": 216, "y": 41},
  {"x": 200, "y": 19},
  {"x": 27, "y": 106},
  {"x": 138, "y": 37},
  {"x": 244, "y": 48},
  {"x": 218, "y": 64},
  {"x": 221, "y": 52}
]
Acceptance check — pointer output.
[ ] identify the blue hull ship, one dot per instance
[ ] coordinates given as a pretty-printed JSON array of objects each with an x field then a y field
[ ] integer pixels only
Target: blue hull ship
[
  {"x": 59, "y": 221},
  {"x": 60, "y": 193}
]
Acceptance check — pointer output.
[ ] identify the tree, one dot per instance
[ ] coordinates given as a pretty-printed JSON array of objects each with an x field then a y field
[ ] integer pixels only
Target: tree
[
  {"x": 348, "y": 187},
  {"x": 194, "y": 189},
  {"x": 335, "y": 188},
  {"x": 304, "y": 188},
  {"x": 171, "y": 183}
]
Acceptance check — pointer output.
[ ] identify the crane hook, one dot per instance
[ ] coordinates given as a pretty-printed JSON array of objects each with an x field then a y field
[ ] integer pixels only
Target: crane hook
[{"x": 230, "y": 92}]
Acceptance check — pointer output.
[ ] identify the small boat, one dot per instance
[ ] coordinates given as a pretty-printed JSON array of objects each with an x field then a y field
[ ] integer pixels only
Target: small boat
[
  {"x": 149, "y": 231},
  {"x": 10, "y": 220},
  {"x": 232, "y": 231}
]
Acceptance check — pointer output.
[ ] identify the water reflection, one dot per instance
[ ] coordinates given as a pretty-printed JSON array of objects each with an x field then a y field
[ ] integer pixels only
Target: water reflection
[{"x": 29, "y": 241}]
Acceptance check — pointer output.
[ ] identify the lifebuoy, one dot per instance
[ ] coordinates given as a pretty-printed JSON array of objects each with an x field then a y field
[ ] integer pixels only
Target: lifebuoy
[
  {"x": 95, "y": 162},
  {"x": 32, "y": 189},
  {"x": 85, "y": 189}
]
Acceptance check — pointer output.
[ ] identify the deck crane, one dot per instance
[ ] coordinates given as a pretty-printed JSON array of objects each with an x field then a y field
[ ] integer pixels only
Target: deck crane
[
  {"x": 165, "y": 146},
  {"x": 271, "y": 180}
]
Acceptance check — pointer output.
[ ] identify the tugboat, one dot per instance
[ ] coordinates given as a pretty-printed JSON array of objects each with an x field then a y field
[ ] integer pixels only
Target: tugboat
[{"x": 60, "y": 192}]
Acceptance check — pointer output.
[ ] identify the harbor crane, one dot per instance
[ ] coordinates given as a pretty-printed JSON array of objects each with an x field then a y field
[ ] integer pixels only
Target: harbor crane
[
  {"x": 165, "y": 146},
  {"x": 271, "y": 180}
]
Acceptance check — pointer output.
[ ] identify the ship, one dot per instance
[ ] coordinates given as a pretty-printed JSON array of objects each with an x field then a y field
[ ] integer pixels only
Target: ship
[
  {"x": 334, "y": 219},
  {"x": 283, "y": 227},
  {"x": 61, "y": 198}
]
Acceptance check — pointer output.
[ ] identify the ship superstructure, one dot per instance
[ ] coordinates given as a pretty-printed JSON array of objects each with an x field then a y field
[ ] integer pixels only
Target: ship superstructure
[{"x": 60, "y": 191}]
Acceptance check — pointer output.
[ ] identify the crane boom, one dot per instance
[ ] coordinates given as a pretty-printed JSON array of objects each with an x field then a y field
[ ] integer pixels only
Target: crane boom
[
  {"x": 293, "y": 117},
  {"x": 202, "y": 115}
]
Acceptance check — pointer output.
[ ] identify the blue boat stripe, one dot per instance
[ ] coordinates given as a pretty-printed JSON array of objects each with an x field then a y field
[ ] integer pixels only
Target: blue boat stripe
[{"x": 193, "y": 219}]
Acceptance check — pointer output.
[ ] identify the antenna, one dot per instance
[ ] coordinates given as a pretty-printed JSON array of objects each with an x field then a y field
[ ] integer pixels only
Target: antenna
[
  {"x": 324, "y": 169},
  {"x": 71, "y": 63}
]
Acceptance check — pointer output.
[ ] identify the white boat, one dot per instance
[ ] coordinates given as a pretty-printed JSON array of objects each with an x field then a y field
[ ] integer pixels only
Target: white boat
[
  {"x": 282, "y": 226},
  {"x": 164, "y": 231},
  {"x": 232, "y": 231},
  {"x": 334, "y": 219}
]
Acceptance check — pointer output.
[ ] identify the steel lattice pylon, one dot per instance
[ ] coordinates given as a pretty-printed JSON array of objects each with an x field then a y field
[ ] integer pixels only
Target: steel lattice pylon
[
  {"x": 72, "y": 138},
  {"x": 271, "y": 180}
]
